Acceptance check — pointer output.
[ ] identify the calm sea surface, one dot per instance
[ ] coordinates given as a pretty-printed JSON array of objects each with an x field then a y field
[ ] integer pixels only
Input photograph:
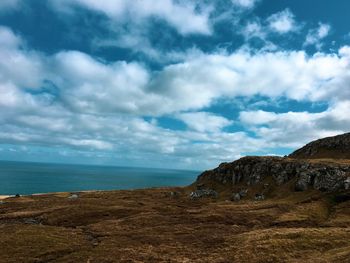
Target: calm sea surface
[{"x": 29, "y": 178}]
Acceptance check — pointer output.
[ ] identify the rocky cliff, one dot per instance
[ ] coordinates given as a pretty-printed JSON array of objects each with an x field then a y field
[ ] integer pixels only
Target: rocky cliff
[{"x": 263, "y": 175}]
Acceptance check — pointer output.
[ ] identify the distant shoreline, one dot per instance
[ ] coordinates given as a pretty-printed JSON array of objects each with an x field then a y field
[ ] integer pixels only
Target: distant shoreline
[{"x": 3, "y": 197}]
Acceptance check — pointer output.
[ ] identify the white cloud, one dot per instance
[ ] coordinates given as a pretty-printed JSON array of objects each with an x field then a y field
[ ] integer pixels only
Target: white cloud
[
  {"x": 293, "y": 129},
  {"x": 100, "y": 105},
  {"x": 197, "y": 82},
  {"x": 204, "y": 121},
  {"x": 8, "y": 39},
  {"x": 315, "y": 36},
  {"x": 254, "y": 29},
  {"x": 18, "y": 66},
  {"x": 282, "y": 22},
  {"x": 182, "y": 15},
  {"x": 245, "y": 3}
]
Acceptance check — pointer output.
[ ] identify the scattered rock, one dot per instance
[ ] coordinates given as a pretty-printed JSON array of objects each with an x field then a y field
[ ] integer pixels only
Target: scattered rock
[
  {"x": 243, "y": 192},
  {"x": 32, "y": 221},
  {"x": 259, "y": 197},
  {"x": 73, "y": 196},
  {"x": 236, "y": 197},
  {"x": 17, "y": 195},
  {"x": 204, "y": 193}
]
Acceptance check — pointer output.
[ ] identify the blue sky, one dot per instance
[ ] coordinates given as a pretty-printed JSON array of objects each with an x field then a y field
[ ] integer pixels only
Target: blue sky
[{"x": 170, "y": 83}]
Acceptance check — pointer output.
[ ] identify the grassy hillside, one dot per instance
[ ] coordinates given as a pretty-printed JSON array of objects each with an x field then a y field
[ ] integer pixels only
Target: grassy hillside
[{"x": 165, "y": 225}]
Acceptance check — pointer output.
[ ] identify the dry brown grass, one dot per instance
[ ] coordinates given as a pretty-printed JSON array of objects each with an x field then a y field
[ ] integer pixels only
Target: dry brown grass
[{"x": 151, "y": 226}]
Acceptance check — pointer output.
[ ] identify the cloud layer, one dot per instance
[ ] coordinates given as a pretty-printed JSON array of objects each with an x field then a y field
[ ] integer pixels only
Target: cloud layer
[{"x": 76, "y": 101}]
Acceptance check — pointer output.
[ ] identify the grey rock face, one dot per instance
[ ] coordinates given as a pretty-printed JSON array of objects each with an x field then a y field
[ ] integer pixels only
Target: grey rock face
[
  {"x": 329, "y": 180},
  {"x": 253, "y": 170},
  {"x": 347, "y": 183},
  {"x": 303, "y": 182}
]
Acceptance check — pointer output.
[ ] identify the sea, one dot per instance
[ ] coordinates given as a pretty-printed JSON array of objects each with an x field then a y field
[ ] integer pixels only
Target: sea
[{"x": 32, "y": 178}]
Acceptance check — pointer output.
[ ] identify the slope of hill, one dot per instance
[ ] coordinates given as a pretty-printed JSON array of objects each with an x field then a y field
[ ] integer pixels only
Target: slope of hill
[{"x": 337, "y": 147}]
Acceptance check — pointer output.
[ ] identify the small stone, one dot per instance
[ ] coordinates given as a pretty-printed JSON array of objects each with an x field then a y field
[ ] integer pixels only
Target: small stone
[
  {"x": 73, "y": 196},
  {"x": 259, "y": 197},
  {"x": 243, "y": 192},
  {"x": 236, "y": 197}
]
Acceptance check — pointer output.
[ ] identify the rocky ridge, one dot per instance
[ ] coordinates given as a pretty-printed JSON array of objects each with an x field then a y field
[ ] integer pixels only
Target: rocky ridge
[
  {"x": 261, "y": 174},
  {"x": 337, "y": 147}
]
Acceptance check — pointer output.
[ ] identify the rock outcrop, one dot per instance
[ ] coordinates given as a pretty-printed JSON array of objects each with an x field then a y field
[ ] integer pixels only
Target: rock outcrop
[
  {"x": 337, "y": 147},
  {"x": 251, "y": 171}
]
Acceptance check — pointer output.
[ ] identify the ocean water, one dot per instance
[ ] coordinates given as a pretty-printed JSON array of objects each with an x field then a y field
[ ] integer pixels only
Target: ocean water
[{"x": 30, "y": 178}]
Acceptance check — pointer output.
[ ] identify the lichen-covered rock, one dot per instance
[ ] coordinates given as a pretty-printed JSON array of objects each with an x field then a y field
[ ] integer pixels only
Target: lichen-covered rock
[{"x": 329, "y": 179}]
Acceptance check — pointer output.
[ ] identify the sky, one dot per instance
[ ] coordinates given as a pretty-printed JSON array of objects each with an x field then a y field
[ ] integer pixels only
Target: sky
[{"x": 183, "y": 84}]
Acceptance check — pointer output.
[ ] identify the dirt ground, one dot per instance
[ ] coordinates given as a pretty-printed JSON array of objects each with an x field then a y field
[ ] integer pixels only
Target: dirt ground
[{"x": 158, "y": 225}]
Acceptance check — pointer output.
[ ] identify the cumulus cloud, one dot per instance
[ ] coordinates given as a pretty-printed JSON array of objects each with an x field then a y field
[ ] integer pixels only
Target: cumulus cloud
[
  {"x": 73, "y": 99},
  {"x": 186, "y": 16},
  {"x": 18, "y": 66},
  {"x": 245, "y": 3},
  {"x": 285, "y": 129},
  {"x": 282, "y": 22},
  {"x": 291, "y": 74},
  {"x": 315, "y": 36},
  {"x": 204, "y": 121},
  {"x": 254, "y": 29}
]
